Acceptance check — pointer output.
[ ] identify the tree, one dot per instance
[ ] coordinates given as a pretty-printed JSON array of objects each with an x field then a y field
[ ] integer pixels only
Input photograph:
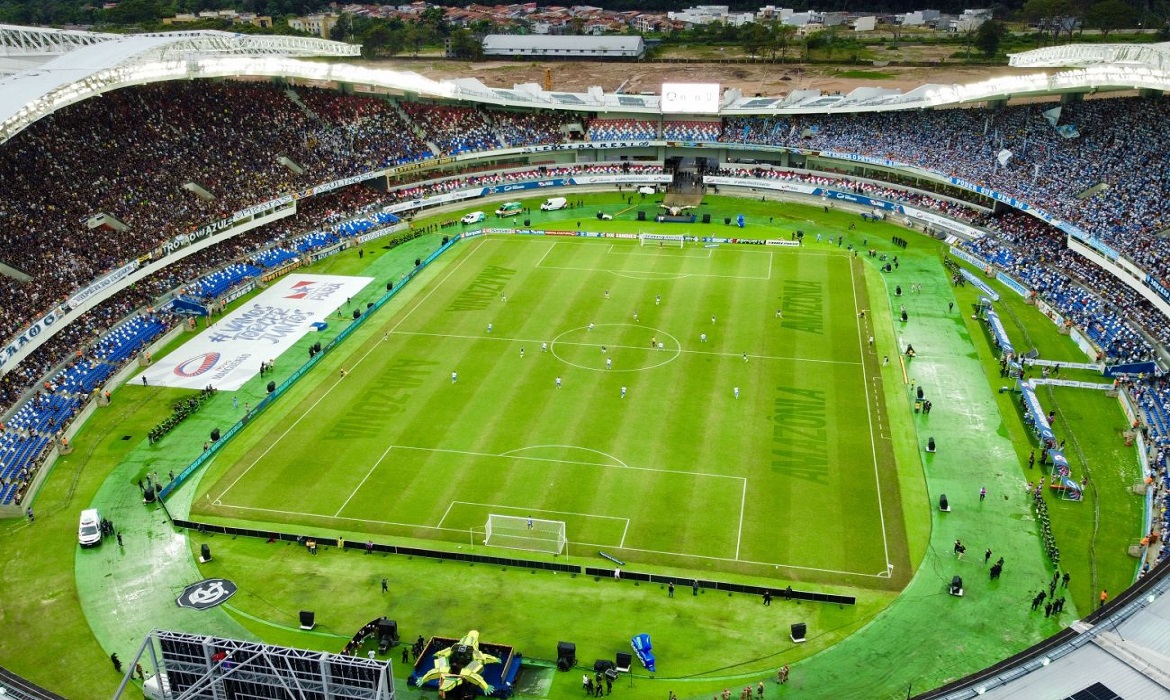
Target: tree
[
  {"x": 343, "y": 30},
  {"x": 754, "y": 38},
  {"x": 780, "y": 39},
  {"x": 1109, "y": 15},
  {"x": 464, "y": 44},
  {"x": 988, "y": 36}
]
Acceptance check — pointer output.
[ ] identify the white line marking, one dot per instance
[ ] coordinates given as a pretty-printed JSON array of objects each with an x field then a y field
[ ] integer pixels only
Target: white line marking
[
  {"x": 536, "y": 510},
  {"x": 627, "y": 347},
  {"x": 869, "y": 414},
  {"x": 565, "y": 461},
  {"x": 310, "y": 409},
  {"x": 446, "y": 513},
  {"x": 298, "y": 514},
  {"x": 550, "y": 248},
  {"x": 564, "y": 447},
  {"x": 679, "y": 275},
  {"x": 742, "y": 506},
  {"x": 363, "y": 481},
  {"x": 625, "y": 531}
]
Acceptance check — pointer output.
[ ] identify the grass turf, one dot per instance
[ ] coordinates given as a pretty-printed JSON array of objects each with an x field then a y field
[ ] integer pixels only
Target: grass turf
[
  {"x": 398, "y": 431},
  {"x": 428, "y": 591}
]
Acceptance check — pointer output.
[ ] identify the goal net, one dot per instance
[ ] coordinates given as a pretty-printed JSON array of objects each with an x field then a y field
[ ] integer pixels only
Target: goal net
[
  {"x": 661, "y": 240},
  {"x": 530, "y": 534}
]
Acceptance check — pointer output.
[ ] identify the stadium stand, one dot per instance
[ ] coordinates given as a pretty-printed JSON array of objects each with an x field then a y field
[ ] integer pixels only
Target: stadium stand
[{"x": 621, "y": 130}]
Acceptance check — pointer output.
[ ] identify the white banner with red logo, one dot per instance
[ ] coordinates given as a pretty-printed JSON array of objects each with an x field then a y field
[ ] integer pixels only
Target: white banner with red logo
[{"x": 229, "y": 353}]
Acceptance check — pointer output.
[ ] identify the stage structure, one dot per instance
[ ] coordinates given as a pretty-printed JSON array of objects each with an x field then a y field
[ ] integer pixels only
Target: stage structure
[{"x": 181, "y": 666}]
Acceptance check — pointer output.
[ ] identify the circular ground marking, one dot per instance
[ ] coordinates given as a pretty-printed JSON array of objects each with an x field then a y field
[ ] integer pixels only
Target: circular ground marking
[{"x": 626, "y": 345}]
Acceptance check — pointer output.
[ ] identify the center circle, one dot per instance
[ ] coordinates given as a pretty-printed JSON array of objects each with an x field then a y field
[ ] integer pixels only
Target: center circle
[{"x": 626, "y": 345}]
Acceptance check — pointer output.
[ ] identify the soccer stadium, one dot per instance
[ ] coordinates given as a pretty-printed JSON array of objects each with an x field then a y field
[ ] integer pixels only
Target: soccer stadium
[{"x": 322, "y": 380}]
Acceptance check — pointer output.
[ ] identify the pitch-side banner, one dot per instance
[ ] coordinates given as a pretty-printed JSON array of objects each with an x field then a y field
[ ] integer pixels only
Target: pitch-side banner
[{"x": 229, "y": 353}]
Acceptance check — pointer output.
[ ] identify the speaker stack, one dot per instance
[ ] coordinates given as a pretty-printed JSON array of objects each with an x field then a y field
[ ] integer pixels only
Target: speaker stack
[
  {"x": 271, "y": 387},
  {"x": 641, "y": 216},
  {"x": 566, "y": 655},
  {"x": 205, "y": 554},
  {"x": 215, "y": 435},
  {"x": 308, "y": 620},
  {"x": 798, "y": 632},
  {"x": 706, "y": 218}
]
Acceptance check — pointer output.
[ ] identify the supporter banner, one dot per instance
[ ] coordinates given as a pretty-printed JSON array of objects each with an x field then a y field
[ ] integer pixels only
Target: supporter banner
[
  {"x": 185, "y": 239},
  {"x": 1158, "y": 287},
  {"x": 615, "y": 179},
  {"x": 262, "y": 207},
  {"x": 863, "y": 159},
  {"x": 379, "y": 232},
  {"x": 1131, "y": 368},
  {"x": 775, "y": 241},
  {"x": 1075, "y": 385},
  {"x": 858, "y": 199},
  {"x": 114, "y": 277},
  {"x": 516, "y": 186},
  {"x": 229, "y": 353},
  {"x": 28, "y": 334},
  {"x": 411, "y": 167},
  {"x": 762, "y": 183},
  {"x": 335, "y": 185},
  {"x": 968, "y": 257},
  {"x": 944, "y": 222},
  {"x": 586, "y": 145},
  {"x": 436, "y": 199},
  {"x": 331, "y": 250},
  {"x": 980, "y": 284},
  {"x": 1013, "y": 285},
  {"x": 237, "y": 292},
  {"x": 282, "y": 270}
]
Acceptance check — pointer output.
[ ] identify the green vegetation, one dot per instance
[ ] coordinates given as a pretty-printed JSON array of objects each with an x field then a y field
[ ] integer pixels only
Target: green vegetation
[
  {"x": 679, "y": 416},
  {"x": 865, "y": 74}
]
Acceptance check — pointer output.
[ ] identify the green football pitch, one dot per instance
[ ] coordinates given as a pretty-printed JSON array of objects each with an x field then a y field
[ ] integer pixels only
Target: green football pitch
[{"x": 712, "y": 408}]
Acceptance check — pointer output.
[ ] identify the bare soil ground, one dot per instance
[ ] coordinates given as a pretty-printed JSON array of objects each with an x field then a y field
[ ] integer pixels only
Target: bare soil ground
[{"x": 752, "y": 78}]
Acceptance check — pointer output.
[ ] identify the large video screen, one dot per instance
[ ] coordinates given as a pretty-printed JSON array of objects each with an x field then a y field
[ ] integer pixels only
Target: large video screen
[{"x": 690, "y": 98}]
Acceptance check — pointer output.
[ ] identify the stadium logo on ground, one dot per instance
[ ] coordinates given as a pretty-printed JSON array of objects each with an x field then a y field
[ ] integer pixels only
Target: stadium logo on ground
[
  {"x": 197, "y": 365},
  {"x": 207, "y": 593},
  {"x": 301, "y": 290}
]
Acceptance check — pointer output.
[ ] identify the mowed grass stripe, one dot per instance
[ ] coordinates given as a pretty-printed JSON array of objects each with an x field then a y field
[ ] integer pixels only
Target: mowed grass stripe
[{"x": 678, "y": 417}]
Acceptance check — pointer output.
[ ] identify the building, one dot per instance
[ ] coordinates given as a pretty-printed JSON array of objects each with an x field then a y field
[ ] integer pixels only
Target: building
[
  {"x": 317, "y": 25},
  {"x": 628, "y": 47}
]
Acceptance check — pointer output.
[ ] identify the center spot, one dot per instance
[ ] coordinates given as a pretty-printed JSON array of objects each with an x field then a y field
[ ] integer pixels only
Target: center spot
[{"x": 628, "y": 346}]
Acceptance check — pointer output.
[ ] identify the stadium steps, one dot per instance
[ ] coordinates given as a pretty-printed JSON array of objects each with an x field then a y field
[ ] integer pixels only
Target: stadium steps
[{"x": 296, "y": 99}]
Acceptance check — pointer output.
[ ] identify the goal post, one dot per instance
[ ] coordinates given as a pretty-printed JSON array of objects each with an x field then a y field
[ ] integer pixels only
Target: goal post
[
  {"x": 529, "y": 534},
  {"x": 661, "y": 240}
]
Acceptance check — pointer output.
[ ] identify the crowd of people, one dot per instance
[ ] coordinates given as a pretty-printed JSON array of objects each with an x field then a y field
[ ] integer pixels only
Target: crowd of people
[{"x": 106, "y": 181}]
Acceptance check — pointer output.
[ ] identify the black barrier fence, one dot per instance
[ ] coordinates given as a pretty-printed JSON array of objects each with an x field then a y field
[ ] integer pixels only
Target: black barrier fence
[
  {"x": 785, "y": 593},
  {"x": 683, "y": 582},
  {"x": 380, "y": 548}
]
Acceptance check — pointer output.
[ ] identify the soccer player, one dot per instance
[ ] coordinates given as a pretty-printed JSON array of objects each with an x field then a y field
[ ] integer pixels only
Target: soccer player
[
  {"x": 653, "y": 342},
  {"x": 779, "y": 313},
  {"x": 607, "y": 294},
  {"x": 657, "y": 299},
  {"x": 623, "y": 392},
  {"x": 737, "y": 392},
  {"x": 702, "y": 337},
  {"x": 521, "y": 352},
  {"x": 745, "y": 357},
  {"x": 504, "y": 298},
  {"x": 661, "y": 345},
  {"x": 590, "y": 326},
  {"x": 530, "y": 523},
  {"x": 712, "y": 319},
  {"x": 608, "y": 363},
  {"x": 489, "y": 328},
  {"x": 454, "y": 377},
  {"x": 635, "y": 316},
  {"x": 558, "y": 382},
  {"x": 544, "y": 347}
]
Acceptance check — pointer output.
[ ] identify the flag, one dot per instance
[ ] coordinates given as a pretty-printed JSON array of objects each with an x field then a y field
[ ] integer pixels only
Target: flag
[
  {"x": 1069, "y": 131},
  {"x": 986, "y": 125},
  {"x": 1003, "y": 157},
  {"x": 1052, "y": 116}
]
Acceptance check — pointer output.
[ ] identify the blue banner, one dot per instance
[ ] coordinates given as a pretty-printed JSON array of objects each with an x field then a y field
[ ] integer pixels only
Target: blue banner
[
  {"x": 1158, "y": 287},
  {"x": 980, "y": 284},
  {"x": 518, "y": 186},
  {"x": 859, "y": 199},
  {"x": 1032, "y": 404},
  {"x": 1000, "y": 333},
  {"x": 968, "y": 257},
  {"x": 1013, "y": 285}
]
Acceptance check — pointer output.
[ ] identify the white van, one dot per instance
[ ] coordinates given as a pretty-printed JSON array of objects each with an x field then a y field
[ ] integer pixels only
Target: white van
[
  {"x": 474, "y": 217},
  {"x": 510, "y": 209},
  {"x": 89, "y": 530},
  {"x": 554, "y": 203}
]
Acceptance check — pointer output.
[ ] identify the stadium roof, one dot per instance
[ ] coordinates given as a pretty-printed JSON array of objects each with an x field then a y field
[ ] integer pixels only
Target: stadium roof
[
  {"x": 57, "y": 68},
  {"x": 1150, "y": 56}
]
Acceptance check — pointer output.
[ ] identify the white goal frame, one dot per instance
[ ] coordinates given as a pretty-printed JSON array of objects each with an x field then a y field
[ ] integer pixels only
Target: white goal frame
[
  {"x": 525, "y": 533},
  {"x": 661, "y": 239}
]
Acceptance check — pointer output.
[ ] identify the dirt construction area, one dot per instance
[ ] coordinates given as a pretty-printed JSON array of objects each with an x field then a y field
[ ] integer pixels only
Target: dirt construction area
[{"x": 752, "y": 78}]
